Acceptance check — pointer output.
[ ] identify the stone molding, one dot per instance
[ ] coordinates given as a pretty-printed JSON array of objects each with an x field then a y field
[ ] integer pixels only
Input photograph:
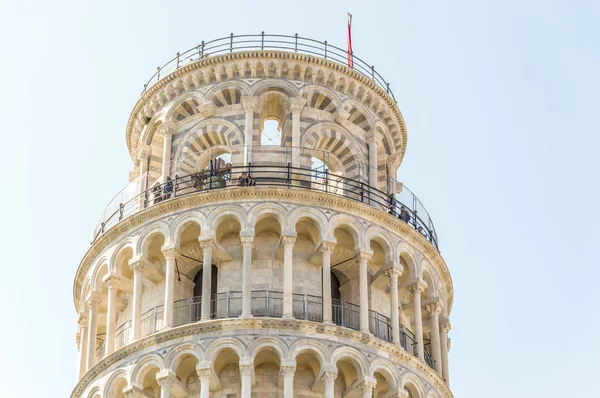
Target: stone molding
[{"x": 308, "y": 329}]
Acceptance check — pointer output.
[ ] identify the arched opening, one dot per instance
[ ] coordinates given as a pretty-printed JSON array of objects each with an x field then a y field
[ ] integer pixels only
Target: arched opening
[
  {"x": 272, "y": 118},
  {"x": 149, "y": 383},
  {"x": 348, "y": 375},
  {"x": 185, "y": 372},
  {"x": 198, "y": 288},
  {"x": 335, "y": 287},
  {"x": 327, "y": 172},
  {"x": 226, "y": 366},
  {"x": 308, "y": 368},
  {"x": 267, "y": 366}
]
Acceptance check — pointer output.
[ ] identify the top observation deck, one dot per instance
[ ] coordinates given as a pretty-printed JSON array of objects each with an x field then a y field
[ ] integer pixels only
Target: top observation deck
[{"x": 295, "y": 43}]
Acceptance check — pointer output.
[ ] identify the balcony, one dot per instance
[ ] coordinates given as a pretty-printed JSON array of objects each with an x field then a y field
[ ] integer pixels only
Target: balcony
[
  {"x": 404, "y": 205},
  {"x": 261, "y": 42},
  {"x": 268, "y": 304}
]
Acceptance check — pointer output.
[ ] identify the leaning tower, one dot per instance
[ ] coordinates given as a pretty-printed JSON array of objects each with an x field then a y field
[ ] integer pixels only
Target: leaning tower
[{"x": 264, "y": 247}]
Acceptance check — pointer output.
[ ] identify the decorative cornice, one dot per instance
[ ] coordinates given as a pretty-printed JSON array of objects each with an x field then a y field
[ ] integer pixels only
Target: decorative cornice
[
  {"x": 312, "y": 329},
  {"x": 291, "y": 195}
]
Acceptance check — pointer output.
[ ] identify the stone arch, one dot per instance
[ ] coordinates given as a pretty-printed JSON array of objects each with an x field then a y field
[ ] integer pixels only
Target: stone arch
[
  {"x": 192, "y": 216},
  {"x": 379, "y": 235},
  {"x": 274, "y": 343},
  {"x": 432, "y": 288},
  {"x": 406, "y": 253},
  {"x": 127, "y": 243},
  {"x": 359, "y": 114},
  {"x": 243, "y": 87},
  {"x": 318, "y": 349},
  {"x": 387, "y": 141},
  {"x": 413, "y": 384},
  {"x": 268, "y": 84},
  {"x": 321, "y": 98},
  {"x": 207, "y": 134},
  {"x": 103, "y": 264},
  {"x": 351, "y": 226},
  {"x": 185, "y": 106},
  {"x": 222, "y": 344},
  {"x": 142, "y": 364},
  {"x": 387, "y": 370},
  {"x": 355, "y": 356},
  {"x": 337, "y": 141},
  {"x": 314, "y": 215},
  {"x": 159, "y": 227},
  {"x": 431, "y": 393},
  {"x": 173, "y": 358},
  {"x": 226, "y": 211},
  {"x": 264, "y": 210},
  {"x": 112, "y": 381},
  {"x": 94, "y": 392}
]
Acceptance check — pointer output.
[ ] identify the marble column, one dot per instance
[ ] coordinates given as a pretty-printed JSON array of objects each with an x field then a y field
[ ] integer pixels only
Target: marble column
[
  {"x": 92, "y": 332},
  {"x": 83, "y": 341},
  {"x": 288, "y": 381},
  {"x": 167, "y": 132},
  {"x": 364, "y": 291},
  {"x": 171, "y": 253},
  {"x": 434, "y": 310},
  {"x": 143, "y": 158},
  {"x": 329, "y": 380},
  {"x": 247, "y": 245},
  {"x": 136, "y": 307},
  {"x": 204, "y": 377},
  {"x": 367, "y": 387},
  {"x": 207, "y": 248},
  {"x": 250, "y": 105},
  {"x": 416, "y": 290},
  {"x": 111, "y": 314},
  {"x": 373, "y": 142},
  {"x": 288, "y": 276},
  {"x": 296, "y": 106},
  {"x": 165, "y": 383},
  {"x": 393, "y": 273},
  {"x": 444, "y": 329},
  {"x": 246, "y": 376},
  {"x": 326, "y": 250}
]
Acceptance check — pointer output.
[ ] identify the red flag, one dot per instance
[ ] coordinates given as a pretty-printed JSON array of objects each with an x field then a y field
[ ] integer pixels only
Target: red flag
[{"x": 350, "y": 57}]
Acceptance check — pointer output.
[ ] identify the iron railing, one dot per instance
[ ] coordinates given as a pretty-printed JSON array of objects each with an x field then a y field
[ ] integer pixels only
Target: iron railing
[
  {"x": 269, "y": 304},
  {"x": 296, "y": 43},
  {"x": 404, "y": 206}
]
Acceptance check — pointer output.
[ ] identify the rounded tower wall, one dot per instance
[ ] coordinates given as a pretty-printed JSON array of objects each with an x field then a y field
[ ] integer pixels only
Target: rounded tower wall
[{"x": 297, "y": 269}]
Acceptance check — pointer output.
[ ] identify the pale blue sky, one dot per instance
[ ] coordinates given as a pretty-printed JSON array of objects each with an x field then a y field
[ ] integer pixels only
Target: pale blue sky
[{"x": 500, "y": 99}]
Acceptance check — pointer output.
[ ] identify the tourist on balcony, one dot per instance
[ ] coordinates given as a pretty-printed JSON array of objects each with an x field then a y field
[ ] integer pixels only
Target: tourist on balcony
[
  {"x": 157, "y": 193},
  {"x": 168, "y": 188}
]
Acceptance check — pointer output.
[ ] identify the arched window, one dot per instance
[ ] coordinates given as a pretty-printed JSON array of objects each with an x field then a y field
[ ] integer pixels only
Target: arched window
[
  {"x": 271, "y": 134},
  {"x": 335, "y": 287}
]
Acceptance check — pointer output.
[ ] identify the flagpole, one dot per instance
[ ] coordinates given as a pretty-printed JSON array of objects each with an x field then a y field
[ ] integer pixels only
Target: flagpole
[{"x": 350, "y": 53}]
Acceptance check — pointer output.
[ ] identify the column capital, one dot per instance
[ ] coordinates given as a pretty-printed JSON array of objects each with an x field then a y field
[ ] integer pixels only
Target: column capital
[
  {"x": 246, "y": 369},
  {"x": 365, "y": 256},
  {"x": 167, "y": 128},
  {"x": 111, "y": 281},
  {"x": 250, "y": 103},
  {"x": 368, "y": 384},
  {"x": 288, "y": 241},
  {"x": 165, "y": 378},
  {"x": 203, "y": 372},
  {"x": 247, "y": 241},
  {"x": 297, "y": 104},
  {"x": 83, "y": 319},
  {"x": 287, "y": 370},
  {"x": 94, "y": 298},
  {"x": 417, "y": 287},
  {"x": 206, "y": 244},
  {"x": 142, "y": 152},
  {"x": 170, "y": 252},
  {"x": 327, "y": 246},
  {"x": 434, "y": 308},
  {"x": 393, "y": 272},
  {"x": 445, "y": 325},
  {"x": 341, "y": 116},
  {"x": 207, "y": 109},
  {"x": 137, "y": 264},
  {"x": 328, "y": 376},
  {"x": 374, "y": 138}
]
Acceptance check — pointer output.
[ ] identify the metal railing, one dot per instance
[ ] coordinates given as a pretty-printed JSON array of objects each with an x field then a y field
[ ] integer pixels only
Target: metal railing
[
  {"x": 267, "y": 303},
  {"x": 296, "y": 43},
  {"x": 405, "y": 207}
]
